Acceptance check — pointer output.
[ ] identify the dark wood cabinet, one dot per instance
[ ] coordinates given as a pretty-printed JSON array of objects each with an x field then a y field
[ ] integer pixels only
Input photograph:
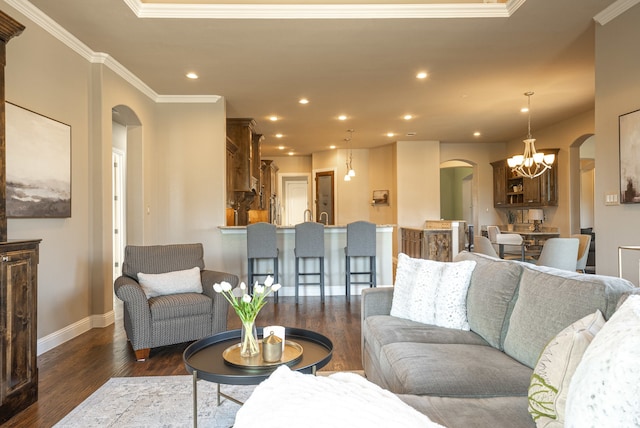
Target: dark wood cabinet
[
  {"x": 18, "y": 324},
  {"x": 511, "y": 190},
  {"x": 500, "y": 171}
]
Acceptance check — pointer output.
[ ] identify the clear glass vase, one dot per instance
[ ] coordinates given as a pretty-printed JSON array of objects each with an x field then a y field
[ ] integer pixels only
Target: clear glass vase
[{"x": 249, "y": 346}]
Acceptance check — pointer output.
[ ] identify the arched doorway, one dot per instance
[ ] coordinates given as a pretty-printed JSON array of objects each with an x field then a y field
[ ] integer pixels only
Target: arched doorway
[
  {"x": 459, "y": 192},
  {"x": 127, "y": 198}
]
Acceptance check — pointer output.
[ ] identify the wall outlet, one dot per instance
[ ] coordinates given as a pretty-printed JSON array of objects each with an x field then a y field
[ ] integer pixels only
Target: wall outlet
[{"x": 611, "y": 199}]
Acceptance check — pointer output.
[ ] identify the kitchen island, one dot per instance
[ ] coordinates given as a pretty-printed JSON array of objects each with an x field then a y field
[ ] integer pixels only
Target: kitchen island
[{"x": 234, "y": 241}]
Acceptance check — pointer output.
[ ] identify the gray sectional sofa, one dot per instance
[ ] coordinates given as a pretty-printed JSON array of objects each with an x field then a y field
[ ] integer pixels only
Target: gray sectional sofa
[{"x": 480, "y": 378}]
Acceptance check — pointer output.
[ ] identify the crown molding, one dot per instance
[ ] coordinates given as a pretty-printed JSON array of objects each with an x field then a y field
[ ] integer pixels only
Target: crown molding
[
  {"x": 56, "y": 30},
  {"x": 323, "y": 11},
  {"x": 614, "y": 10}
]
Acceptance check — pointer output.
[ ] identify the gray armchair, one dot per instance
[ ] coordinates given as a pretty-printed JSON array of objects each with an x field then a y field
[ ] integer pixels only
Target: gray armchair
[{"x": 172, "y": 318}]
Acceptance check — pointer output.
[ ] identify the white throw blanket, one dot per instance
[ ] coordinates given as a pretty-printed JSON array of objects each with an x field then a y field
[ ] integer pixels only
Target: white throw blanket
[{"x": 292, "y": 399}]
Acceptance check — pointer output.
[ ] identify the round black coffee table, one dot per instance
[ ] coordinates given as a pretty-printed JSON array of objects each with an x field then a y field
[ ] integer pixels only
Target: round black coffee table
[{"x": 203, "y": 359}]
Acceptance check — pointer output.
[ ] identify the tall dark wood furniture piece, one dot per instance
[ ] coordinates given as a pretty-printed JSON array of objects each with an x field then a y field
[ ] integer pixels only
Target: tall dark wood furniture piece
[
  {"x": 513, "y": 191},
  {"x": 18, "y": 283}
]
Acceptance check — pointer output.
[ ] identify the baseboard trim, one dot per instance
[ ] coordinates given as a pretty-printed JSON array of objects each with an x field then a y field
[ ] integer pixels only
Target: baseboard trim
[{"x": 69, "y": 332}]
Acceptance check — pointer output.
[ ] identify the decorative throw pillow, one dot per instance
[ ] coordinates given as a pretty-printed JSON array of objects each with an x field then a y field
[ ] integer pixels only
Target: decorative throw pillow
[
  {"x": 605, "y": 389},
  {"x": 557, "y": 363},
  {"x": 180, "y": 281},
  {"x": 289, "y": 398},
  {"x": 432, "y": 292}
]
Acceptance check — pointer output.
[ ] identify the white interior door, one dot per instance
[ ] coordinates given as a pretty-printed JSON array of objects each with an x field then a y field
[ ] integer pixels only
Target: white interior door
[
  {"x": 296, "y": 201},
  {"x": 117, "y": 176}
]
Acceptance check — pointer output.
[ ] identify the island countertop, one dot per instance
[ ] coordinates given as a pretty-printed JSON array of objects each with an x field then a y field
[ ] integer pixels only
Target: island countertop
[
  {"x": 234, "y": 241},
  {"x": 242, "y": 229}
]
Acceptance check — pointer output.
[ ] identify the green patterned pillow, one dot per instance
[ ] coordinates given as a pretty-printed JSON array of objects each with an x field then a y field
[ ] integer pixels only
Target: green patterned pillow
[{"x": 557, "y": 363}]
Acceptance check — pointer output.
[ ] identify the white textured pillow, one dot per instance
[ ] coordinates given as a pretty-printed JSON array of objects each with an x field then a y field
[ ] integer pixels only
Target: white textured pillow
[
  {"x": 557, "y": 363},
  {"x": 291, "y": 399},
  {"x": 180, "y": 281},
  {"x": 432, "y": 292},
  {"x": 605, "y": 389}
]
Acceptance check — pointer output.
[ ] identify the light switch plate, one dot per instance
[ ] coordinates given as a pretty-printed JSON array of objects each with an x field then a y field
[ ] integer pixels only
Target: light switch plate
[{"x": 611, "y": 199}]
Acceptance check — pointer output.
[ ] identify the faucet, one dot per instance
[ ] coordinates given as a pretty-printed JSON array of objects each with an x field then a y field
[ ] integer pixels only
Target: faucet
[
  {"x": 326, "y": 217},
  {"x": 310, "y": 215}
]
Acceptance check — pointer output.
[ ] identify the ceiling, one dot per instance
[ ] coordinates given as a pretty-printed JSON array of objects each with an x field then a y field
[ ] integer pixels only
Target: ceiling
[{"x": 358, "y": 59}]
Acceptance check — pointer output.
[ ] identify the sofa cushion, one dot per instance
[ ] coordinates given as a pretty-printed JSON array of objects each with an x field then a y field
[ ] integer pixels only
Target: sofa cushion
[
  {"x": 552, "y": 375},
  {"x": 491, "y": 296},
  {"x": 432, "y": 292},
  {"x": 452, "y": 370},
  {"x": 605, "y": 390},
  {"x": 381, "y": 330},
  {"x": 180, "y": 281},
  {"x": 494, "y": 412},
  {"x": 551, "y": 299},
  {"x": 179, "y": 306}
]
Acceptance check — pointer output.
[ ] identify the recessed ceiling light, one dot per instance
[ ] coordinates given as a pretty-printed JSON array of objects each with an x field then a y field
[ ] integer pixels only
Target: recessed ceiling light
[
  {"x": 279, "y": 135},
  {"x": 192, "y": 75},
  {"x": 332, "y": 147},
  {"x": 280, "y": 147},
  {"x": 290, "y": 153},
  {"x": 390, "y": 134},
  {"x": 476, "y": 134},
  {"x": 524, "y": 109},
  {"x": 342, "y": 117},
  {"x": 411, "y": 134},
  {"x": 303, "y": 101},
  {"x": 273, "y": 118},
  {"x": 408, "y": 117},
  {"x": 422, "y": 75}
]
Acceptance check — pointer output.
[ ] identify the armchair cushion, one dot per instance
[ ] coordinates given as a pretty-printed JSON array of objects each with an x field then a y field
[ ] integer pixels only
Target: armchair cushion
[{"x": 181, "y": 281}]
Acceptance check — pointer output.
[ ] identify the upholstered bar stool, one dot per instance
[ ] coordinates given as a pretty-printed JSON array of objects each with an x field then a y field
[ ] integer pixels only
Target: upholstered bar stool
[
  {"x": 262, "y": 244},
  {"x": 310, "y": 245},
  {"x": 361, "y": 242}
]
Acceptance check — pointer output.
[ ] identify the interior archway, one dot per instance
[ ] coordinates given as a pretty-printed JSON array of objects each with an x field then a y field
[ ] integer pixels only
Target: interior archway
[{"x": 459, "y": 191}]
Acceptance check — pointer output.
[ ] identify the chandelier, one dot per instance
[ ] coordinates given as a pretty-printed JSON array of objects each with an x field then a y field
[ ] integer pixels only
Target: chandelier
[
  {"x": 350, "y": 171},
  {"x": 531, "y": 164}
]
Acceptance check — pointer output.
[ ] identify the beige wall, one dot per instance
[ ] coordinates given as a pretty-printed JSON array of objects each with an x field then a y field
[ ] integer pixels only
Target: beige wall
[
  {"x": 178, "y": 153},
  {"x": 617, "y": 92},
  {"x": 38, "y": 64}
]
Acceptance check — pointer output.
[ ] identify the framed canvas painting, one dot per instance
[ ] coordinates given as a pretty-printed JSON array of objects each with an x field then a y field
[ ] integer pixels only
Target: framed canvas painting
[
  {"x": 629, "y": 124},
  {"x": 38, "y": 162}
]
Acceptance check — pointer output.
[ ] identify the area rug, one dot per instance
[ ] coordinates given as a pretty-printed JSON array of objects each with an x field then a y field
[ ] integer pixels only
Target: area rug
[{"x": 155, "y": 401}]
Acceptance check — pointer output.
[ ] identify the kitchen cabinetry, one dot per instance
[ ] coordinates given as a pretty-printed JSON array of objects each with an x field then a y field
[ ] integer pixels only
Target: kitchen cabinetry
[
  {"x": 511, "y": 190},
  {"x": 18, "y": 315}
]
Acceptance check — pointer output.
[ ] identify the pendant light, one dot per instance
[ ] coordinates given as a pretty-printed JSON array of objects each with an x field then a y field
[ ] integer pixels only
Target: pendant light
[{"x": 530, "y": 164}]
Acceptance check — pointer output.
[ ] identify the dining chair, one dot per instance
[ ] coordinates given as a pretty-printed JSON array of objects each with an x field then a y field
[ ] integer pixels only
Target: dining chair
[
  {"x": 482, "y": 245},
  {"x": 583, "y": 251},
  {"x": 309, "y": 244},
  {"x": 262, "y": 244},
  {"x": 361, "y": 242},
  {"x": 559, "y": 253},
  {"x": 510, "y": 245}
]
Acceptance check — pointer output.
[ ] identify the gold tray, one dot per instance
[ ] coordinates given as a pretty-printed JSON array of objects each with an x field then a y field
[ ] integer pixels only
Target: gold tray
[{"x": 291, "y": 355}]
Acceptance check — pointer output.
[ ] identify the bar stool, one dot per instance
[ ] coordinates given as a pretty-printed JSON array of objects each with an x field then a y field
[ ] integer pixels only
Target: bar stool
[
  {"x": 310, "y": 244},
  {"x": 262, "y": 244},
  {"x": 361, "y": 242}
]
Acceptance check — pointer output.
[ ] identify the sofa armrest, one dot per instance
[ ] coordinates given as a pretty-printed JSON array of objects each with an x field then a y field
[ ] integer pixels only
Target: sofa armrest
[
  {"x": 220, "y": 304},
  {"x": 137, "y": 315},
  {"x": 376, "y": 301}
]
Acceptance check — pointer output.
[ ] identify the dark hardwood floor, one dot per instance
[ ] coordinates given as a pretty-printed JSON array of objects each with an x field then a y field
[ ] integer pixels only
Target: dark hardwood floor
[{"x": 72, "y": 371}]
